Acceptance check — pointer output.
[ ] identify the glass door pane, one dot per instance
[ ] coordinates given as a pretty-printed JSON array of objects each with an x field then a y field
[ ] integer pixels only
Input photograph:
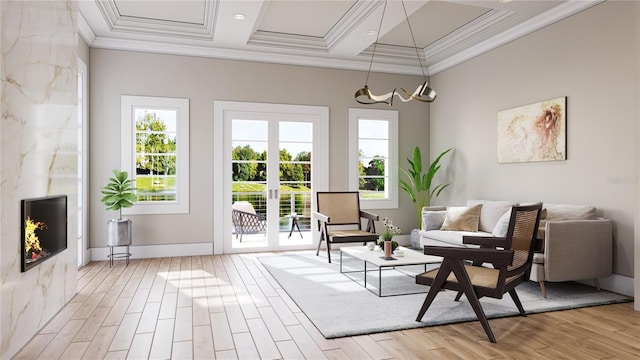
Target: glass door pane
[
  {"x": 249, "y": 141},
  {"x": 295, "y": 166}
]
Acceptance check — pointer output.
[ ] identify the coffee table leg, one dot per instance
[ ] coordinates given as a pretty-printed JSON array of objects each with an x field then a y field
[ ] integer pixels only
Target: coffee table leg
[
  {"x": 365, "y": 274},
  {"x": 379, "y": 281}
]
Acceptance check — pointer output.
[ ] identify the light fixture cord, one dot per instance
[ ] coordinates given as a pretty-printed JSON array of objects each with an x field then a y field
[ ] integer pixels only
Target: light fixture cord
[
  {"x": 384, "y": 8},
  {"x": 412, "y": 39}
]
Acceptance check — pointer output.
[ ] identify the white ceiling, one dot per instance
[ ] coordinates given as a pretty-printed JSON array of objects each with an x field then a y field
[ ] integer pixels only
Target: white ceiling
[{"x": 325, "y": 33}]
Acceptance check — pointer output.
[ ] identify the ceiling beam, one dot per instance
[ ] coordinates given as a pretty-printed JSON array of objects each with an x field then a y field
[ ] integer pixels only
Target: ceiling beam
[
  {"x": 350, "y": 36},
  {"x": 230, "y": 32}
]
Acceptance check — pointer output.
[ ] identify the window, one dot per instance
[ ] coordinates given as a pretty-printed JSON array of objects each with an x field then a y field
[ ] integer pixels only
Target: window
[
  {"x": 373, "y": 157},
  {"x": 155, "y": 153}
]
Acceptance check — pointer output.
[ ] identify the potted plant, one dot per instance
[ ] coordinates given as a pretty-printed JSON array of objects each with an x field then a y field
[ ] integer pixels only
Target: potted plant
[
  {"x": 419, "y": 186},
  {"x": 386, "y": 239},
  {"x": 118, "y": 194}
]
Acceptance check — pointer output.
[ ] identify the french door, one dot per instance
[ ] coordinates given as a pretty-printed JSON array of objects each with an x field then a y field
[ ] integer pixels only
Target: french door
[{"x": 273, "y": 162}]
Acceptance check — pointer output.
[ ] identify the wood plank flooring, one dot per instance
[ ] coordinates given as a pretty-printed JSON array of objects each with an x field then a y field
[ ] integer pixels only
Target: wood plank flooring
[{"x": 229, "y": 307}]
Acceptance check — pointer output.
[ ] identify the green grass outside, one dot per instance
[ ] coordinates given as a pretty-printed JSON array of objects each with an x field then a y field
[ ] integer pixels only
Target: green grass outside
[{"x": 148, "y": 184}]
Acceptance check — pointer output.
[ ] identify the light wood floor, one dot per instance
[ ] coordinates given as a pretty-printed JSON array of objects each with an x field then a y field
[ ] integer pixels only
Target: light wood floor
[{"x": 228, "y": 307}]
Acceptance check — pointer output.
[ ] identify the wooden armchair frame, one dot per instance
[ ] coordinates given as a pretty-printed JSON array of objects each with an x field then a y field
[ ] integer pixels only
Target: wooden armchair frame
[
  {"x": 339, "y": 217},
  {"x": 511, "y": 258}
]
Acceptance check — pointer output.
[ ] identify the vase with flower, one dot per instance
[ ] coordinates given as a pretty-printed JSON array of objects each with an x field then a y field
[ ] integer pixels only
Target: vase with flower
[{"x": 386, "y": 238}]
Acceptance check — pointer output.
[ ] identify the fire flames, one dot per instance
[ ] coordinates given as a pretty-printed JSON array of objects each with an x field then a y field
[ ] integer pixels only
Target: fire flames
[{"x": 32, "y": 246}]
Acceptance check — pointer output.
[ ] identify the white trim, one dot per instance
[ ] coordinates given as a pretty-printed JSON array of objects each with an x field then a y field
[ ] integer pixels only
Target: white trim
[
  {"x": 221, "y": 152},
  {"x": 127, "y": 156},
  {"x": 84, "y": 218},
  {"x": 155, "y": 251},
  {"x": 616, "y": 283},
  {"x": 391, "y": 116}
]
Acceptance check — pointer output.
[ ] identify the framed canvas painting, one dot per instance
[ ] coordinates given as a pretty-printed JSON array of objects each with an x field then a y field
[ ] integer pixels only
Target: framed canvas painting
[{"x": 534, "y": 132}]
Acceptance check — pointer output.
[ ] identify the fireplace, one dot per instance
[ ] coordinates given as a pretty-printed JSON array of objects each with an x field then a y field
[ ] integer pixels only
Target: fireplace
[{"x": 44, "y": 229}]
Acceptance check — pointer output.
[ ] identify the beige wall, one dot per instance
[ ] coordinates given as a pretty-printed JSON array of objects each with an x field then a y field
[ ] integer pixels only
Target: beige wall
[
  {"x": 203, "y": 80},
  {"x": 592, "y": 58}
]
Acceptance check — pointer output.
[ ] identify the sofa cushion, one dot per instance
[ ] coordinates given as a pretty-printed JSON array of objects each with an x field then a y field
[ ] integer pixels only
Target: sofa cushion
[
  {"x": 491, "y": 212},
  {"x": 500, "y": 230},
  {"x": 433, "y": 220},
  {"x": 462, "y": 218},
  {"x": 453, "y": 238},
  {"x": 570, "y": 212}
]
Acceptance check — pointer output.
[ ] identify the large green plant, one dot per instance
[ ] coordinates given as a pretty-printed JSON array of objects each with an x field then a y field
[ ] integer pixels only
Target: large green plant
[
  {"x": 119, "y": 192},
  {"x": 419, "y": 185}
]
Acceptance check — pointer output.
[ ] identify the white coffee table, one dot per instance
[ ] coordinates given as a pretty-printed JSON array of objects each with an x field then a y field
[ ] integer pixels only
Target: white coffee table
[{"x": 376, "y": 258}]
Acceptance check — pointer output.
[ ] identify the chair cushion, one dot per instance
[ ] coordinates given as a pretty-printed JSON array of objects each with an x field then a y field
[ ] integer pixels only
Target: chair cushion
[
  {"x": 462, "y": 218},
  {"x": 339, "y": 236},
  {"x": 479, "y": 275},
  {"x": 243, "y": 206}
]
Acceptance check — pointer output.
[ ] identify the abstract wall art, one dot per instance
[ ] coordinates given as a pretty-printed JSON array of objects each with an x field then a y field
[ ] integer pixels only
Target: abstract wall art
[{"x": 534, "y": 132}]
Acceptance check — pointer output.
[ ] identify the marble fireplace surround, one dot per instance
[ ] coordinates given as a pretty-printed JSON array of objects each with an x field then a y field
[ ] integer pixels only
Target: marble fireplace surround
[{"x": 38, "y": 157}]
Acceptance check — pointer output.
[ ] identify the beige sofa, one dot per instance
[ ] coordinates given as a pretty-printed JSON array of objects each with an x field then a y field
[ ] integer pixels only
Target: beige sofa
[{"x": 574, "y": 243}]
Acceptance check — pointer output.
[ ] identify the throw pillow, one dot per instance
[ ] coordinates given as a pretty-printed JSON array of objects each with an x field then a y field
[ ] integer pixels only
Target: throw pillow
[
  {"x": 462, "y": 218},
  {"x": 432, "y": 220},
  {"x": 502, "y": 225}
]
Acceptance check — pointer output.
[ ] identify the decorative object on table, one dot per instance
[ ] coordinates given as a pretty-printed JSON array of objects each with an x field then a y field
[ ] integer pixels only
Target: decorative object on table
[
  {"x": 422, "y": 93},
  {"x": 534, "y": 132},
  {"x": 371, "y": 246},
  {"x": 386, "y": 238},
  {"x": 419, "y": 186},
  {"x": 119, "y": 193}
]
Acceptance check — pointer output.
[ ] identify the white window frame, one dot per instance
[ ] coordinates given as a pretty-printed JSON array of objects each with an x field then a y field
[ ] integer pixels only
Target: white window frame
[
  {"x": 391, "y": 116},
  {"x": 128, "y": 129}
]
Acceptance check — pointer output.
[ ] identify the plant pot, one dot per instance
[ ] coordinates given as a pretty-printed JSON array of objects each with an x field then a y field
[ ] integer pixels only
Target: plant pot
[
  {"x": 119, "y": 232},
  {"x": 387, "y": 249}
]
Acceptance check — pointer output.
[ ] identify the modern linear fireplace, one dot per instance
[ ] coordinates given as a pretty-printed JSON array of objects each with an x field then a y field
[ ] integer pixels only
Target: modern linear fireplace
[{"x": 44, "y": 229}]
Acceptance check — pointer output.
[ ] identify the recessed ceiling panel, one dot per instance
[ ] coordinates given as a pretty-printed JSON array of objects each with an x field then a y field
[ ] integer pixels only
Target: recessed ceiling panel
[
  {"x": 187, "y": 11},
  {"x": 303, "y": 17},
  {"x": 431, "y": 22}
]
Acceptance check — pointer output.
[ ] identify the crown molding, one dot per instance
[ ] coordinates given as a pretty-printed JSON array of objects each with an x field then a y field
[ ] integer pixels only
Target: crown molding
[
  {"x": 85, "y": 30},
  {"x": 538, "y": 22},
  {"x": 482, "y": 24},
  {"x": 289, "y": 49},
  {"x": 285, "y": 56},
  {"x": 352, "y": 19}
]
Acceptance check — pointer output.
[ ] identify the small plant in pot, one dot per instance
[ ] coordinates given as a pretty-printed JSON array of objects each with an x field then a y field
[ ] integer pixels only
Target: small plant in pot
[{"x": 119, "y": 193}]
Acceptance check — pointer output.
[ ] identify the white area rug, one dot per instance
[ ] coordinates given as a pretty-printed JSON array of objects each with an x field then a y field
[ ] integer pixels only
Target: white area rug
[{"x": 340, "y": 306}]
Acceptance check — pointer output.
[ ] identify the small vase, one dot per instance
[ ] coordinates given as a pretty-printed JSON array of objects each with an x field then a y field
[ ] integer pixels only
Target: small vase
[{"x": 387, "y": 249}]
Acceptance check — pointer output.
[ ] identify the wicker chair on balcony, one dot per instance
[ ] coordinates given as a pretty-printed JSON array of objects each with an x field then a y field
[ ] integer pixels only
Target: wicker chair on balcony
[{"x": 246, "y": 220}]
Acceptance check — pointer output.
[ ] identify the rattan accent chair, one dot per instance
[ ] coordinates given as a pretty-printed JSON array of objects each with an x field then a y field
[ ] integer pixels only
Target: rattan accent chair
[
  {"x": 462, "y": 269},
  {"x": 246, "y": 220},
  {"x": 339, "y": 215}
]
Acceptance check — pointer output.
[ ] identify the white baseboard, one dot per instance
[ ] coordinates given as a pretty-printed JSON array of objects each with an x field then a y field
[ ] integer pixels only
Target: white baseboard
[
  {"x": 155, "y": 251},
  {"x": 616, "y": 283}
]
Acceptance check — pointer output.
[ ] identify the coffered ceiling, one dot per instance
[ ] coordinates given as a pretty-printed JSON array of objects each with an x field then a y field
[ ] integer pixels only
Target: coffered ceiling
[{"x": 326, "y": 33}]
